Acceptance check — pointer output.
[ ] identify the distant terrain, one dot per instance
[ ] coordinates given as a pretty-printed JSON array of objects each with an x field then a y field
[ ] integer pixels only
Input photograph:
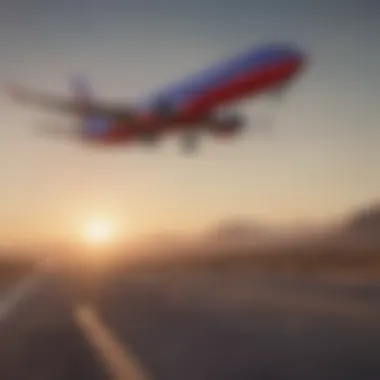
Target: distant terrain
[
  {"x": 12, "y": 269},
  {"x": 299, "y": 260},
  {"x": 352, "y": 248}
]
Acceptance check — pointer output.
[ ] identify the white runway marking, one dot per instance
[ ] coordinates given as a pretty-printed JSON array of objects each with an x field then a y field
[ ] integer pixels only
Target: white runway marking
[
  {"x": 16, "y": 295},
  {"x": 122, "y": 363},
  {"x": 25, "y": 287}
]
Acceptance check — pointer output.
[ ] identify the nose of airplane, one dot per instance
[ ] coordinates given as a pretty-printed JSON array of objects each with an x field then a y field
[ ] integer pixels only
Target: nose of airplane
[{"x": 295, "y": 53}]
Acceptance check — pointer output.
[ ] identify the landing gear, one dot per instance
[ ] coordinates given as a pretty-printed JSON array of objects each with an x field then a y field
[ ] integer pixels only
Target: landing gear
[{"x": 190, "y": 143}]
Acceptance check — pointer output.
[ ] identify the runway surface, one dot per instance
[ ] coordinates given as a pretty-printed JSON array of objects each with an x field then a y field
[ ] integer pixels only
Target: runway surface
[{"x": 193, "y": 326}]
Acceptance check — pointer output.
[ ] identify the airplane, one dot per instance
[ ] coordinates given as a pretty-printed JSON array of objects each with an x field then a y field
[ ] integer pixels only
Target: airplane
[{"x": 188, "y": 107}]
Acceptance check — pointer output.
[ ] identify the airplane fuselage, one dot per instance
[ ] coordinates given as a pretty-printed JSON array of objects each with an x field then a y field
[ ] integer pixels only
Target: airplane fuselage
[{"x": 192, "y": 100}]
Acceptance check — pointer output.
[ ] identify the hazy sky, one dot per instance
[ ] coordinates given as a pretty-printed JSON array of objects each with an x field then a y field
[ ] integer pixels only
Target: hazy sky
[{"x": 321, "y": 160}]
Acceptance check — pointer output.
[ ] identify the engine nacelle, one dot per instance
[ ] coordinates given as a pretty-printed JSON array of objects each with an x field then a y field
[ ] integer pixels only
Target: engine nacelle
[
  {"x": 149, "y": 139},
  {"x": 227, "y": 125}
]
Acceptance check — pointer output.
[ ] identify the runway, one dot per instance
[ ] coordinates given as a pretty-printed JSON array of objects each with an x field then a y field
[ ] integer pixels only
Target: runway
[{"x": 194, "y": 325}]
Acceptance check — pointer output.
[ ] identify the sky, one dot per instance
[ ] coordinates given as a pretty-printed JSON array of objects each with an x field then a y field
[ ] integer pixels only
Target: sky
[{"x": 318, "y": 162}]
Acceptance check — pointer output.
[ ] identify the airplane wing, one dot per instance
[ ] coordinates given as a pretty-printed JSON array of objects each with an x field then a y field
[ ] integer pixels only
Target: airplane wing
[{"x": 70, "y": 106}]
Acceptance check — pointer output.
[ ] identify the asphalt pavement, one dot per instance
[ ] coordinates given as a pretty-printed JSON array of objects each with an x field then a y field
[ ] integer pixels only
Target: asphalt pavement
[{"x": 192, "y": 325}]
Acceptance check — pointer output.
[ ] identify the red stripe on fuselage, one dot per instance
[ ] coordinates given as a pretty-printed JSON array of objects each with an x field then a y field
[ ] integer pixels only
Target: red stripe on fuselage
[
  {"x": 121, "y": 132},
  {"x": 253, "y": 82}
]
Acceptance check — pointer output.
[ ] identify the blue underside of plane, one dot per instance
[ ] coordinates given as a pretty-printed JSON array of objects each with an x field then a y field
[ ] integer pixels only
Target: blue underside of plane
[{"x": 213, "y": 76}]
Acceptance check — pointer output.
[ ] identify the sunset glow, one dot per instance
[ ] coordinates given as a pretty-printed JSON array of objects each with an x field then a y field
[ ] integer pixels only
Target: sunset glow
[{"x": 98, "y": 232}]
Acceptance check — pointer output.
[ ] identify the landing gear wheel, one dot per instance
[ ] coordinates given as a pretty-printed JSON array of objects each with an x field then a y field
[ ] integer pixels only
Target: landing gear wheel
[{"x": 190, "y": 143}]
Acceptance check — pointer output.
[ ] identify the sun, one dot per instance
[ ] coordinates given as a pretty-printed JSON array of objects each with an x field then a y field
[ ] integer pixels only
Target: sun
[{"x": 98, "y": 232}]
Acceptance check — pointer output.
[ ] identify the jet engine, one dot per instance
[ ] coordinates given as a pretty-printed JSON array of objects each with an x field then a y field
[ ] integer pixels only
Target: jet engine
[
  {"x": 149, "y": 139},
  {"x": 227, "y": 125}
]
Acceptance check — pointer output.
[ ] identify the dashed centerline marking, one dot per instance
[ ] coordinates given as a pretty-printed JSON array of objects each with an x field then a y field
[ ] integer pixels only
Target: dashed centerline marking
[
  {"x": 122, "y": 363},
  {"x": 22, "y": 290}
]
